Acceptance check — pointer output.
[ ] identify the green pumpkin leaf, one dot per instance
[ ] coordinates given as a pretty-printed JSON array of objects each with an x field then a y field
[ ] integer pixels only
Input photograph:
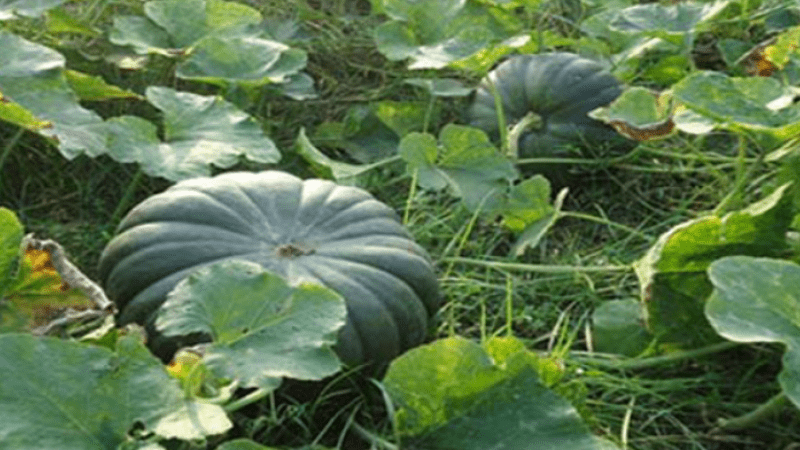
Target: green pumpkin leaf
[
  {"x": 198, "y": 131},
  {"x": 639, "y": 114},
  {"x": 754, "y": 103},
  {"x": 184, "y": 20},
  {"x": 437, "y": 33},
  {"x": 37, "y": 294},
  {"x": 528, "y": 202},
  {"x": 401, "y": 117},
  {"x": 62, "y": 394},
  {"x": 225, "y": 41},
  {"x": 141, "y": 35},
  {"x": 784, "y": 48},
  {"x": 291, "y": 329},
  {"x": 362, "y": 134},
  {"x": 321, "y": 164},
  {"x": 529, "y": 210},
  {"x": 672, "y": 274},
  {"x": 465, "y": 161},
  {"x": 11, "y": 233},
  {"x": 298, "y": 86},
  {"x": 453, "y": 393},
  {"x": 441, "y": 87},
  {"x": 619, "y": 328},
  {"x": 11, "y": 9},
  {"x": 241, "y": 56},
  {"x": 37, "y": 96},
  {"x": 666, "y": 22},
  {"x": 94, "y": 88},
  {"x": 60, "y": 21},
  {"x": 758, "y": 300}
]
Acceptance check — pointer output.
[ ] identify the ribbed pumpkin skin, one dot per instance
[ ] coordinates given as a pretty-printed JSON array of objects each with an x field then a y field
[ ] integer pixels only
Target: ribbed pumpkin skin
[
  {"x": 312, "y": 230},
  {"x": 561, "y": 88}
]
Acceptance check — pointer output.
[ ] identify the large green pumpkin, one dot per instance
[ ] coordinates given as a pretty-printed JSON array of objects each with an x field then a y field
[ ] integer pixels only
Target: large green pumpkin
[
  {"x": 555, "y": 91},
  {"x": 312, "y": 230}
]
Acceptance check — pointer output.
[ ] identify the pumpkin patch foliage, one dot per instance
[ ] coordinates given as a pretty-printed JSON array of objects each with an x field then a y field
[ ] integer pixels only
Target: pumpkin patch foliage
[{"x": 394, "y": 224}]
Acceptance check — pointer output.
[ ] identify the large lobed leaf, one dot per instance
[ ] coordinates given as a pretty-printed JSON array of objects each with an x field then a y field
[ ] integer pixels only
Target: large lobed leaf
[
  {"x": 262, "y": 329},
  {"x": 437, "y": 33},
  {"x": 224, "y": 42},
  {"x": 670, "y": 23},
  {"x": 62, "y": 394},
  {"x": 673, "y": 275},
  {"x": 198, "y": 131},
  {"x": 455, "y": 393},
  {"x": 755, "y": 103},
  {"x": 758, "y": 300},
  {"x": 37, "y": 96},
  {"x": 465, "y": 161}
]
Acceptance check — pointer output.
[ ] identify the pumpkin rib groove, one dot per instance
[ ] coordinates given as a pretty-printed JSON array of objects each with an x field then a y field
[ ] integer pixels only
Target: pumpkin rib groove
[
  {"x": 137, "y": 266},
  {"x": 406, "y": 278},
  {"x": 157, "y": 210},
  {"x": 416, "y": 301},
  {"x": 383, "y": 225},
  {"x": 255, "y": 207},
  {"x": 319, "y": 212},
  {"x": 279, "y": 214},
  {"x": 364, "y": 207},
  {"x": 265, "y": 224}
]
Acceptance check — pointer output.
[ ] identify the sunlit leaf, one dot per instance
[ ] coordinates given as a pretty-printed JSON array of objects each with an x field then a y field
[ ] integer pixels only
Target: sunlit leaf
[
  {"x": 786, "y": 45},
  {"x": 11, "y": 233},
  {"x": 291, "y": 329},
  {"x": 528, "y": 202},
  {"x": 401, "y": 117},
  {"x": 60, "y": 21},
  {"x": 94, "y": 88}
]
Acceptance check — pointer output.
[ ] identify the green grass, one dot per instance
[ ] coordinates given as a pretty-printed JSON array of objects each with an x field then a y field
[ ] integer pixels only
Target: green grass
[{"x": 666, "y": 406}]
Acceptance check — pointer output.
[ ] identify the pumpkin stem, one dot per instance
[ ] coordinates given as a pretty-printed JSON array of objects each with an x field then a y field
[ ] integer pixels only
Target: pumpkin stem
[
  {"x": 292, "y": 251},
  {"x": 531, "y": 121}
]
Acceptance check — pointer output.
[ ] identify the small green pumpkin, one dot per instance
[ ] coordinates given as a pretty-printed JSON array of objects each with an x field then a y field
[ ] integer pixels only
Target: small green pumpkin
[
  {"x": 549, "y": 96},
  {"x": 312, "y": 230}
]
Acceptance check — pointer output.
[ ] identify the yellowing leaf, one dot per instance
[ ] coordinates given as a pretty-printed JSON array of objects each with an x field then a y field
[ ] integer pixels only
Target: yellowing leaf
[{"x": 38, "y": 294}]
